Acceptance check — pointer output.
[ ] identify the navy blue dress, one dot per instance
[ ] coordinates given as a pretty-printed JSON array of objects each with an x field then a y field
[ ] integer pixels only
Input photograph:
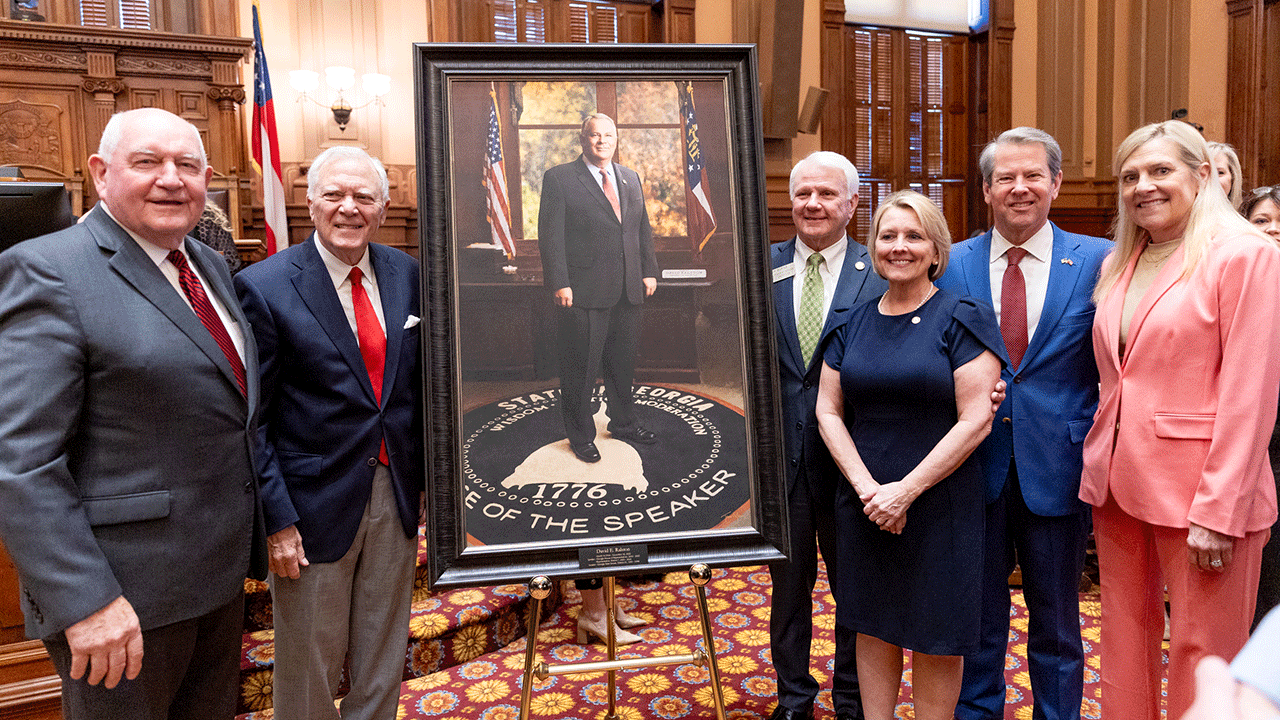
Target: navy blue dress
[{"x": 921, "y": 589}]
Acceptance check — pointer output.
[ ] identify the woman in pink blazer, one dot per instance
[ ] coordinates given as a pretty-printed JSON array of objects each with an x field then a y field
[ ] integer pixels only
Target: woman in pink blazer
[{"x": 1176, "y": 463}]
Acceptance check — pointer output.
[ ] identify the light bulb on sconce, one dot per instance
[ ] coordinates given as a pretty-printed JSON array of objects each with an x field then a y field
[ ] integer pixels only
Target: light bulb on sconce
[{"x": 340, "y": 79}]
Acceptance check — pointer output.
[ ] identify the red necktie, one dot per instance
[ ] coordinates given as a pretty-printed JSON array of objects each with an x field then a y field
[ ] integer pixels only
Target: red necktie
[
  {"x": 610, "y": 193},
  {"x": 208, "y": 316},
  {"x": 1013, "y": 307},
  {"x": 373, "y": 342}
]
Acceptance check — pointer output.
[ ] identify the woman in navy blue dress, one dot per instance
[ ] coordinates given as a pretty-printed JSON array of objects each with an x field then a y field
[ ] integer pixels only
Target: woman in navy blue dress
[{"x": 904, "y": 400}]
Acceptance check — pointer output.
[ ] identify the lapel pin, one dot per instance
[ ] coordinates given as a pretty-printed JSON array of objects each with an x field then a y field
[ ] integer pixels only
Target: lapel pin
[
  {"x": 860, "y": 265},
  {"x": 1067, "y": 261}
]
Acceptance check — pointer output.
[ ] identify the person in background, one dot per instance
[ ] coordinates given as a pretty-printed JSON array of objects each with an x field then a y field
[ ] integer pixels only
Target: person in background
[
  {"x": 1262, "y": 209},
  {"x": 903, "y": 402},
  {"x": 1175, "y": 465},
  {"x": 1226, "y": 167},
  {"x": 1039, "y": 279},
  {"x": 214, "y": 230}
]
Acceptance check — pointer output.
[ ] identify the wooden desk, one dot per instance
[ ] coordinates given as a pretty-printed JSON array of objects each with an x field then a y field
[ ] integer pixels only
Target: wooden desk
[
  {"x": 29, "y": 688},
  {"x": 506, "y": 331}
]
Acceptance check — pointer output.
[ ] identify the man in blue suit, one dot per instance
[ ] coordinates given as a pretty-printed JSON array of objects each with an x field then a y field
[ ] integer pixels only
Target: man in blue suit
[
  {"x": 340, "y": 451},
  {"x": 824, "y": 194},
  {"x": 1039, "y": 279}
]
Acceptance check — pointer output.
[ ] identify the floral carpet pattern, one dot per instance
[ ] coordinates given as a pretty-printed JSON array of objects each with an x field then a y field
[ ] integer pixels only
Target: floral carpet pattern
[{"x": 488, "y": 687}]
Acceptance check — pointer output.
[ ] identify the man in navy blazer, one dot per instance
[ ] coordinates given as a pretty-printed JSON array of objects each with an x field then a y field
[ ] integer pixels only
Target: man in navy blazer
[
  {"x": 1032, "y": 458},
  {"x": 599, "y": 264},
  {"x": 824, "y": 194},
  {"x": 336, "y": 319},
  {"x": 126, "y": 438}
]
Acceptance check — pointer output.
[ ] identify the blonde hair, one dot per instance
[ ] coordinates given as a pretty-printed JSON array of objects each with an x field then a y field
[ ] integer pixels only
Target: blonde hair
[
  {"x": 1233, "y": 166},
  {"x": 1209, "y": 211},
  {"x": 931, "y": 220}
]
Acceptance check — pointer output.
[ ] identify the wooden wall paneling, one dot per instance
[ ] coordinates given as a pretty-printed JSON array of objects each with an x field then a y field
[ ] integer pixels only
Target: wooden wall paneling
[
  {"x": 1244, "y": 75},
  {"x": 1060, "y": 89},
  {"x": 1104, "y": 139},
  {"x": 835, "y": 73},
  {"x": 678, "y": 21},
  {"x": 999, "y": 69},
  {"x": 1159, "y": 44},
  {"x": 958, "y": 156},
  {"x": 780, "y": 38},
  {"x": 978, "y": 53},
  {"x": 1268, "y": 155}
]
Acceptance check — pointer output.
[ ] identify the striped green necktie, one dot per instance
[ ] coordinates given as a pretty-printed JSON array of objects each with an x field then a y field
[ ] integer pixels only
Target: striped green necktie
[{"x": 809, "y": 322}]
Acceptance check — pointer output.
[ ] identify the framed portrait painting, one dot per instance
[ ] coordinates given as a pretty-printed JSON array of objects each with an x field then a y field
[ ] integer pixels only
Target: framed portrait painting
[{"x": 599, "y": 371}]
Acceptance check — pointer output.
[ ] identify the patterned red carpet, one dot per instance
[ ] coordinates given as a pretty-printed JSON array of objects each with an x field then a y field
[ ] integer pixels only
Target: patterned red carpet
[{"x": 488, "y": 687}]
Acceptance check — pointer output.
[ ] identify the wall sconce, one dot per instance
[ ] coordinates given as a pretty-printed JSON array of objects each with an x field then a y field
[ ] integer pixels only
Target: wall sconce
[{"x": 340, "y": 79}]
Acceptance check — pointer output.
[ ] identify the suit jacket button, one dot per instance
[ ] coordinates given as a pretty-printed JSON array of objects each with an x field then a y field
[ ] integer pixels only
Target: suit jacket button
[
  {"x": 794, "y": 462},
  {"x": 1017, "y": 379},
  {"x": 373, "y": 461},
  {"x": 807, "y": 384},
  {"x": 799, "y": 425}
]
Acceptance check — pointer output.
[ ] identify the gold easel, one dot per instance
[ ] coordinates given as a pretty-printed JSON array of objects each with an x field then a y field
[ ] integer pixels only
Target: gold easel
[{"x": 540, "y": 588}]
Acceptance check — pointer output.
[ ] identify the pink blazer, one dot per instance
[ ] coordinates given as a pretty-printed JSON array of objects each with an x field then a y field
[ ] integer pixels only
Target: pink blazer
[{"x": 1182, "y": 426}]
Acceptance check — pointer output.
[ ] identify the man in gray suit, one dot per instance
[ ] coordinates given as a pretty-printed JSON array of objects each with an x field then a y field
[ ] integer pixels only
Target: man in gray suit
[{"x": 126, "y": 438}]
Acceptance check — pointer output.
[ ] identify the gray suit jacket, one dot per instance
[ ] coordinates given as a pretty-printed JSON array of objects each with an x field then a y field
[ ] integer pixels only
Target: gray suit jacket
[{"x": 126, "y": 448}]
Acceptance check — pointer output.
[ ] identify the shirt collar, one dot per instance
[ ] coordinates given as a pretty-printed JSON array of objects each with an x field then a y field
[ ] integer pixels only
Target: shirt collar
[
  {"x": 1038, "y": 246},
  {"x": 339, "y": 270},
  {"x": 595, "y": 169},
  {"x": 830, "y": 254},
  {"x": 155, "y": 252}
]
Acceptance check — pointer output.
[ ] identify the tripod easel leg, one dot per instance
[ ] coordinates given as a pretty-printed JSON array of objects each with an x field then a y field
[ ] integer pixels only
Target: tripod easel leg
[
  {"x": 539, "y": 589},
  {"x": 700, "y": 574}
]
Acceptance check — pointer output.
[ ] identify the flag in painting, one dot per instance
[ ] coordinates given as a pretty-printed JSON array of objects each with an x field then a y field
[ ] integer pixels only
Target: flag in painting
[
  {"x": 701, "y": 221},
  {"x": 495, "y": 180},
  {"x": 266, "y": 146}
]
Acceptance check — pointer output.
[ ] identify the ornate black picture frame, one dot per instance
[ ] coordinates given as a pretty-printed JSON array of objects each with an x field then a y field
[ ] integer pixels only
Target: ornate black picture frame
[{"x": 506, "y": 499}]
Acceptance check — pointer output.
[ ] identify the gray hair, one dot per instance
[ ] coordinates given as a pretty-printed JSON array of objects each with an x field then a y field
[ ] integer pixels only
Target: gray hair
[
  {"x": 346, "y": 152},
  {"x": 832, "y": 161},
  {"x": 115, "y": 129},
  {"x": 1021, "y": 136},
  {"x": 595, "y": 116}
]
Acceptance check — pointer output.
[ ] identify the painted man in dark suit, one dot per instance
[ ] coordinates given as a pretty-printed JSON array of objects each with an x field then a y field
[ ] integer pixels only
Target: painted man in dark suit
[
  {"x": 824, "y": 194},
  {"x": 599, "y": 264},
  {"x": 1032, "y": 459},
  {"x": 336, "y": 319},
  {"x": 126, "y": 438}
]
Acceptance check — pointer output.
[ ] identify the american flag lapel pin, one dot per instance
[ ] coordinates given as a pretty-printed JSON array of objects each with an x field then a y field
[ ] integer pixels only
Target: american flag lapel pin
[{"x": 1068, "y": 261}]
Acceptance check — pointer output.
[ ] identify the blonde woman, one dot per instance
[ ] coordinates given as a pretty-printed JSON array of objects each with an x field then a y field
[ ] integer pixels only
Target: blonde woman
[
  {"x": 1226, "y": 166},
  {"x": 903, "y": 400},
  {"x": 1176, "y": 463}
]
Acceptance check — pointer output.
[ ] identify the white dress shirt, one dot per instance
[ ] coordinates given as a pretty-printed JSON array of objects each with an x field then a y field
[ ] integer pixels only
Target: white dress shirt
[
  {"x": 340, "y": 273},
  {"x": 1035, "y": 271},
  {"x": 828, "y": 271},
  {"x": 595, "y": 173},
  {"x": 160, "y": 256}
]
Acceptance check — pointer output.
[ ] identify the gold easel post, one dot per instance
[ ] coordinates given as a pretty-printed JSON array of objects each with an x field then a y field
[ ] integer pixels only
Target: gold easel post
[{"x": 540, "y": 588}]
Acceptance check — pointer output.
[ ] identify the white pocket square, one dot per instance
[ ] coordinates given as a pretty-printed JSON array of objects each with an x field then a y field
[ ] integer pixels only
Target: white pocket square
[{"x": 412, "y": 321}]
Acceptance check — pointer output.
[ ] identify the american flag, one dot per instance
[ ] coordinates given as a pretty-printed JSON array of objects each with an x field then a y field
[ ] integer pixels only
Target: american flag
[
  {"x": 701, "y": 221},
  {"x": 495, "y": 179},
  {"x": 266, "y": 146}
]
